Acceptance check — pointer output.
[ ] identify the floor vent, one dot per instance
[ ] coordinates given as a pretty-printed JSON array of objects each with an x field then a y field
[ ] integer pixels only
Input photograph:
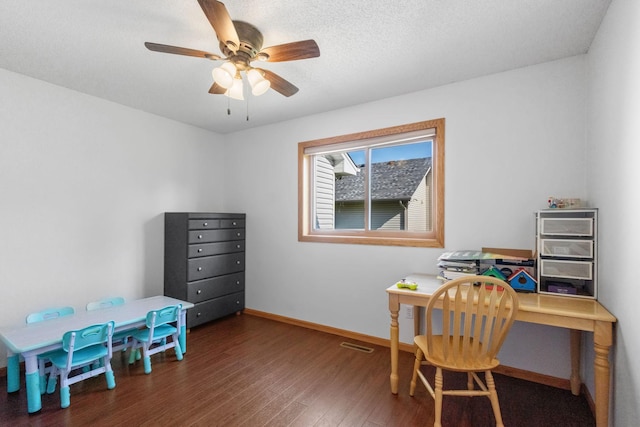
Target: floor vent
[{"x": 357, "y": 347}]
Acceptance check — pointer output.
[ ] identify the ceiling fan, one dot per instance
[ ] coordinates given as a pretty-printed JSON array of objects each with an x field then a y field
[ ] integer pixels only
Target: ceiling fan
[{"x": 241, "y": 44}]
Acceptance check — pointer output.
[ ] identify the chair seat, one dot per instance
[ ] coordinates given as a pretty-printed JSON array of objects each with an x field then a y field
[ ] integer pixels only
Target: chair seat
[
  {"x": 437, "y": 358},
  {"x": 80, "y": 357},
  {"x": 158, "y": 333}
]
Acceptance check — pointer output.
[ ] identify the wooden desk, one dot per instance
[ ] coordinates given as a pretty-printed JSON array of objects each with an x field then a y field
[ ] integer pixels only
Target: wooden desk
[
  {"x": 576, "y": 314},
  {"x": 32, "y": 339}
]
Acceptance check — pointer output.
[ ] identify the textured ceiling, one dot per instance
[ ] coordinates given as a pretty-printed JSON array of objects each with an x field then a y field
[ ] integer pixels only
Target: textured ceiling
[{"x": 368, "y": 49}]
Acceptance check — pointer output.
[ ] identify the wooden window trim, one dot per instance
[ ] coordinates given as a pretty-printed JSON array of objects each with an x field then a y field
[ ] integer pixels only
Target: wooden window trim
[{"x": 433, "y": 239}]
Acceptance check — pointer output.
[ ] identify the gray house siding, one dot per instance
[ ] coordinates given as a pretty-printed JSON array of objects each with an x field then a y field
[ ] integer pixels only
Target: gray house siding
[
  {"x": 386, "y": 215},
  {"x": 324, "y": 198}
]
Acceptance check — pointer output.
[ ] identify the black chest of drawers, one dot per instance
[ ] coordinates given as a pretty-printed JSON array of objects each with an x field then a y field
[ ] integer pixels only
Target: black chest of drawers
[{"x": 204, "y": 263}]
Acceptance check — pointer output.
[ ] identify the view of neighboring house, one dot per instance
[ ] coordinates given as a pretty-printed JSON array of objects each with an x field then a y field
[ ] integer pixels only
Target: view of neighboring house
[{"x": 400, "y": 194}]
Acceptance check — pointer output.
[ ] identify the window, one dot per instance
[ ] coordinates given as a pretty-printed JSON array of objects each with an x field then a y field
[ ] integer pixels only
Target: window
[{"x": 381, "y": 187}]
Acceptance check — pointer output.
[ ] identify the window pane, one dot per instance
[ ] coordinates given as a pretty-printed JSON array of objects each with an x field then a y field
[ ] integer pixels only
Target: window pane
[{"x": 400, "y": 184}]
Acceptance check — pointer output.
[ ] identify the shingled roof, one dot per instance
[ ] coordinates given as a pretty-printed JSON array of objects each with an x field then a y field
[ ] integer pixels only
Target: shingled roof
[{"x": 394, "y": 180}]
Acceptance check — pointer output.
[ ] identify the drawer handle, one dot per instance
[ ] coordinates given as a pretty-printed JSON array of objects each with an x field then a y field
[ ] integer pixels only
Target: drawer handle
[
  {"x": 235, "y": 223},
  {"x": 200, "y": 250},
  {"x": 239, "y": 234},
  {"x": 237, "y": 302},
  {"x": 199, "y": 291},
  {"x": 198, "y": 315},
  {"x": 199, "y": 268},
  {"x": 238, "y": 262},
  {"x": 238, "y": 246},
  {"x": 199, "y": 236},
  {"x": 204, "y": 224},
  {"x": 237, "y": 282}
]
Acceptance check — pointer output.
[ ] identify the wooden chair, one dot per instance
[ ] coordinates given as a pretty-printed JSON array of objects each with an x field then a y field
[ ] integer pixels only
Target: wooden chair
[
  {"x": 120, "y": 339},
  {"x": 476, "y": 313},
  {"x": 153, "y": 339},
  {"x": 87, "y": 347},
  {"x": 43, "y": 359}
]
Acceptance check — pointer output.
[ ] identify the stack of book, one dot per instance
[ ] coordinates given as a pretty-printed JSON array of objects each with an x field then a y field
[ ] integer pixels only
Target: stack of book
[{"x": 459, "y": 263}]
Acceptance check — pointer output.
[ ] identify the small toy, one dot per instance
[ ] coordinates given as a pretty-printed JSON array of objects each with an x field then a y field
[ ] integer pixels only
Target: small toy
[{"x": 403, "y": 284}]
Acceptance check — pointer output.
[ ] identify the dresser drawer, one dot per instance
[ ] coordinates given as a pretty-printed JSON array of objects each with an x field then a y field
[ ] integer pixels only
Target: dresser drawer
[
  {"x": 204, "y": 224},
  {"x": 203, "y": 290},
  {"x": 214, "y": 309},
  {"x": 566, "y": 248},
  {"x": 202, "y": 268},
  {"x": 232, "y": 223},
  {"x": 208, "y": 249},
  {"x": 204, "y": 236},
  {"x": 566, "y": 269}
]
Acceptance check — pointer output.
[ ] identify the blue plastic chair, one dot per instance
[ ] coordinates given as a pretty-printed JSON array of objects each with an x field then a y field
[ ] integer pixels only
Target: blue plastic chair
[
  {"x": 159, "y": 328},
  {"x": 120, "y": 339},
  {"x": 90, "y": 346},
  {"x": 43, "y": 359}
]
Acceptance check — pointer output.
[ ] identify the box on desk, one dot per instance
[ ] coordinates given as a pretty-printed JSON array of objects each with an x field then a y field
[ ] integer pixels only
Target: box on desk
[{"x": 511, "y": 261}]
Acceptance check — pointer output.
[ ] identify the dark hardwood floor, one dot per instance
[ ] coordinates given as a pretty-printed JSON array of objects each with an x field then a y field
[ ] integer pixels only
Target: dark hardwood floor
[{"x": 249, "y": 371}]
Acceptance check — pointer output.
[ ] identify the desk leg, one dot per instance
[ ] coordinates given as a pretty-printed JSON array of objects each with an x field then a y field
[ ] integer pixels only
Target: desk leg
[
  {"x": 603, "y": 339},
  {"x": 13, "y": 372},
  {"x": 576, "y": 337},
  {"x": 394, "y": 308},
  {"x": 34, "y": 401}
]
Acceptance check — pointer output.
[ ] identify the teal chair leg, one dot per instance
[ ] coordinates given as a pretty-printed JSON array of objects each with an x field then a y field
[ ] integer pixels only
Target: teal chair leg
[
  {"x": 111, "y": 380},
  {"x": 65, "y": 397},
  {"x": 147, "y": 364},
  {"x": 13, "y": 373},
  {"x": 43, "y": 384},
  {"x": 51, "y": 385},
  {"x": 132, "y": 356},
  {"x": 178, "y": 351}
]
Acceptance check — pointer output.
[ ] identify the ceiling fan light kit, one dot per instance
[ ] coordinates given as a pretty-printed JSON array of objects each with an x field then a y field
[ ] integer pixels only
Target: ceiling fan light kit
[
  {"x": 225, "y": 74},
  {"x": 236, "y": 90},
  {"x": 259, "y": 84},
  {"x": 241, "y": 43}
]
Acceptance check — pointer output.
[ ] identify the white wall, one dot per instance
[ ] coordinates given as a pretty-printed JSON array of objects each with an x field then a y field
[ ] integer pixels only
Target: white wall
[
  {"x": 512, "y": 140},
  {"x": 614, "y": 175},
  {"x": 83, "y": 184}
]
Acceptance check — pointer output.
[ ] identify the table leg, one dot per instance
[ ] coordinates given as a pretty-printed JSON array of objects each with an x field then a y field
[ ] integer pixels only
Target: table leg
[
  {"x": 182, "y": 338},
  {"x": 394, "y": 308},
  {"x": 603, "y": 339},
  {"x": 34, "y": 401},
  {"x": 13, "y": 372},
  {"x": 575, "y": 380}
]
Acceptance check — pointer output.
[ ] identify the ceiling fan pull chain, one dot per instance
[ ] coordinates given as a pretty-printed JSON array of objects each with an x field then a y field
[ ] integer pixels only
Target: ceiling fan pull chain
[
  {"x": 248, "y": 107},
  {"x": 228, "y": 106}
]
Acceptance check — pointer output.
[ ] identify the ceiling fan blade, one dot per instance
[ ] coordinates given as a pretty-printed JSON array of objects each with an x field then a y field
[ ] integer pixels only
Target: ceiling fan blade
[
  {"x": 216, "y": 89},
  {"x": 292, "y": 51},
  {"x": 221, "y": 22},
  {"x": 278, "y": 83},
  {"x": 180, "y": 50}
]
